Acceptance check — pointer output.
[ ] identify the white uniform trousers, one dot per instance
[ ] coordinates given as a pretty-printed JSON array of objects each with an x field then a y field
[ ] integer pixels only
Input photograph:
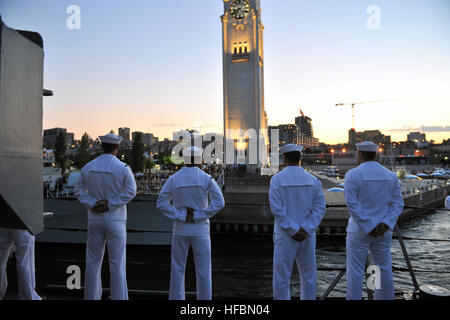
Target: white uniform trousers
[
  {"x": 113, "y": 234},
  {"x": 285, "y": 251},
  {"x": 24, "y": 243},
  {"x": 358, "y": 245},
  {"x": 201, "y": 247}
]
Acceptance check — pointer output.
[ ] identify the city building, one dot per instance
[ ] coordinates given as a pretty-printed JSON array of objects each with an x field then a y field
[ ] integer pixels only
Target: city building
[
  {"x": 166, "y": 146},
  {"x": 50, "y": 136},
  {"x": 354, "y": 137},
  {"x": 70, "y": 138},
  {"x": 368, "y": 135},
  {"x": 304, "y": 125},
  {"x": 125, "y": 133},
  {"x": 418, "y": 138},
  {"x": 308, "y": 142},
  {"x": 135, "y": 133},
  {"x": 148, "y": 139},
  {"x": 376, "y": 137},
  {"x": 305, "y": 133},
  {"x": 287, "y": 133}
]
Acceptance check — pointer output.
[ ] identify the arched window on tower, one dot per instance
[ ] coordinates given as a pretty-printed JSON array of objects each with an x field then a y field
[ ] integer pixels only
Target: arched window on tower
[{"x": 240, "y": 51}]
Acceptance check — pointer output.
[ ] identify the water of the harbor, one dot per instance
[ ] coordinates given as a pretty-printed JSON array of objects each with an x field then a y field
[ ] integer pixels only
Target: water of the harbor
[{"x": 245, "y": 267}]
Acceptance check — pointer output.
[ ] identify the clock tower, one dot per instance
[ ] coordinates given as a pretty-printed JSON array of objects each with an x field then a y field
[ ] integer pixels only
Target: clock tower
[{"x": 243, "y": 80}]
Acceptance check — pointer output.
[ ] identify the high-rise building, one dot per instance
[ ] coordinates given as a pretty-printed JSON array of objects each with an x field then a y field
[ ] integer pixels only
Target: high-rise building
[
  {"x": 125, "y": 133},
  {"x": 287, "y": 134},
  {"x": 304, "y": 126},
  {"x": 305, "y": 133}
]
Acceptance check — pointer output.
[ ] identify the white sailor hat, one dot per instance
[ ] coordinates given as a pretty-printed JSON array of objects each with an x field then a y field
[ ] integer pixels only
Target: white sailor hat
[
  {"x": 291, "y": 148},
  {"x": 193, "y": 152},
  {"x": 111, "y": 139},
  {"x": 367, "y": 146}
]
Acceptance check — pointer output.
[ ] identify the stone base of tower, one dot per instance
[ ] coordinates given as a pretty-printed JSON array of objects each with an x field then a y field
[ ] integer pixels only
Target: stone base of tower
[{"x": 249, "y": 170}]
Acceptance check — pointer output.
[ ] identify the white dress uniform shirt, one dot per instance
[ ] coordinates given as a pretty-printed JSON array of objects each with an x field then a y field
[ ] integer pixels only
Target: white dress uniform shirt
[
  {"x": 296, "y": 201},
  {"x": 373, "y": 196},
  {"x": 190, "y": 188},
  {"x": 106, "y": 178},
  {"x": 24, "y": 243}
]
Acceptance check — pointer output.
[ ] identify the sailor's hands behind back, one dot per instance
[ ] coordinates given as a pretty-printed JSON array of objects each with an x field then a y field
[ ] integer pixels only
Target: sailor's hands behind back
[
  {"x": 379, "y": 230},
  {"x": 101, "y": 206},
  {"x": 190, "y": 215},
  {"x": 300, "y": 235}
]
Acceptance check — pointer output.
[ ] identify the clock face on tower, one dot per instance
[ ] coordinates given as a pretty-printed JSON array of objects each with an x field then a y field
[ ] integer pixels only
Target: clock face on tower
[{"x": 239, "y": 9}]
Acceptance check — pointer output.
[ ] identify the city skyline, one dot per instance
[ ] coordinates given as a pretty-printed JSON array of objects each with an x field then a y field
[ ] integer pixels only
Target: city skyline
[
  {"x": 285, "y": 136},
  {"x": 316, "y": 55}
]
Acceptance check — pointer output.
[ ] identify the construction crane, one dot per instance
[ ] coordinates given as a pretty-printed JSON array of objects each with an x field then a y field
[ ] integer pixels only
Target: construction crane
[{"x": 355, "y": 103}]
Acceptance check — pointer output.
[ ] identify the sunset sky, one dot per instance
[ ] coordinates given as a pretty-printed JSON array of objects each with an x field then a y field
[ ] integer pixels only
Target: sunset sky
[{"x": 156, "y": 66}]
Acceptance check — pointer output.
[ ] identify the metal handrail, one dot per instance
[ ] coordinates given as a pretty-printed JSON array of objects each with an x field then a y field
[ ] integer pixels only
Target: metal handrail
[
  {"x": 221, "y": 179},
  {"x": 405, "y": 255}
]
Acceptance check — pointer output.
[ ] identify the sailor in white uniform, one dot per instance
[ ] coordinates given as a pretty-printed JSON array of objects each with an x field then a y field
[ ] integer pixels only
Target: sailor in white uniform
[
  {"x": 298, "y": 205},
  {"x": 188, "y": 190},
  {"x": 105, "y": 186},
  {"x": 374, "y": 200},
  {"x": 24, "y": 243}
]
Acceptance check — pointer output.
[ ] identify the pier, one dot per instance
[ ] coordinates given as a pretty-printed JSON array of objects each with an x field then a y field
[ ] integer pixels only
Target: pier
[
  {"x": 247, "y": 204},
  {"x": 247, "y": 211}
]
